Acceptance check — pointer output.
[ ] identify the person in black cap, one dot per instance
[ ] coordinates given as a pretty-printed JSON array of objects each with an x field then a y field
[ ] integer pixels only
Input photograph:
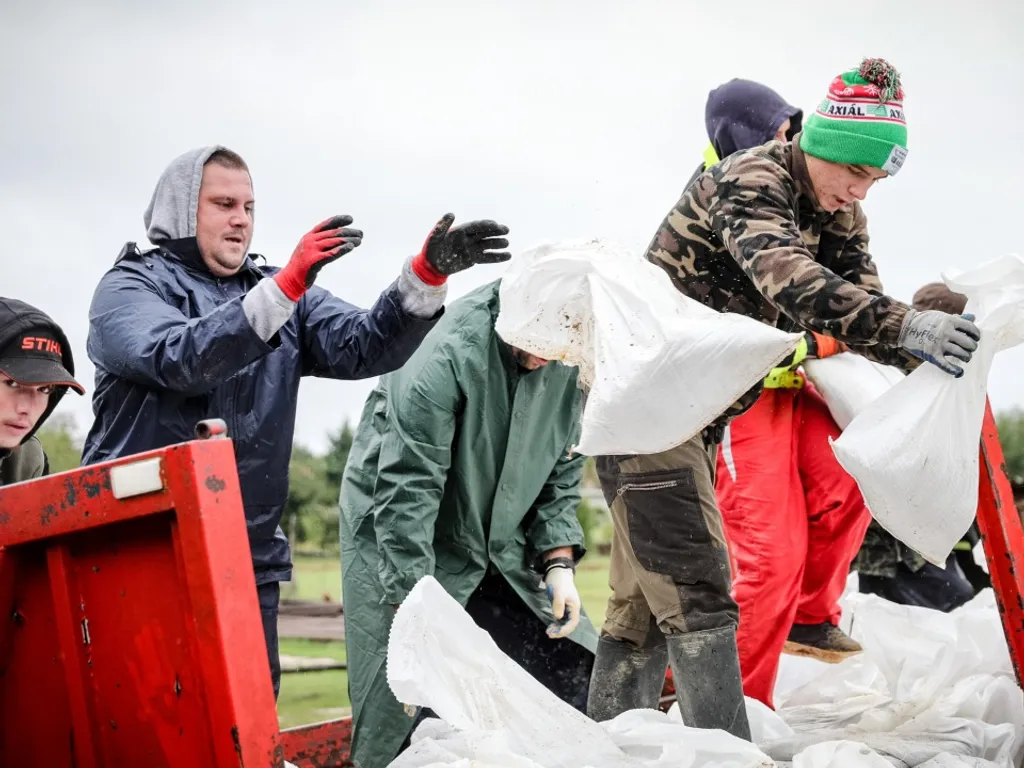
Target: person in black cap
[{"x": 36, "y": 369}]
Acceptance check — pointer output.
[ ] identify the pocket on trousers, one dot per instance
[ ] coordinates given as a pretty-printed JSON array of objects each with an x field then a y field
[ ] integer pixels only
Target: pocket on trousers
[{"x": 667, "y": 530}]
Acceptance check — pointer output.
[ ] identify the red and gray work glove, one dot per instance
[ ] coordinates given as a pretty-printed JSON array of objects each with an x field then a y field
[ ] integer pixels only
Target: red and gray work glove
[
  {"x": 329, "y": 240},
  {"x": 451, "y": 249}
]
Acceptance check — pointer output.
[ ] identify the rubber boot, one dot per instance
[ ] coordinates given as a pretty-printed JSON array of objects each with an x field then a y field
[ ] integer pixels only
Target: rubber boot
[
  {"x": 709, "y": 688},
  {"x": 626, "y": 677}
]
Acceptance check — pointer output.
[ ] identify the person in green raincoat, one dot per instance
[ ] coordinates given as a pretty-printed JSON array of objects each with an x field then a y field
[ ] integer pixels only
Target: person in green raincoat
[{"x": 461, "y": 468}]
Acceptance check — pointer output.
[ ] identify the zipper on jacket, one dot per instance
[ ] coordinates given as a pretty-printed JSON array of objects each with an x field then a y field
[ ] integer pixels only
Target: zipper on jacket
[{"x": 659, "y": 486}]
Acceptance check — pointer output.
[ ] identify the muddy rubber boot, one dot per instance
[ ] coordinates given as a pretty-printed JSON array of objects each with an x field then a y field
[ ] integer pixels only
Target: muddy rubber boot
[
  {"x": 626, "y": 677},
  {"x": 709, "y": 688}
]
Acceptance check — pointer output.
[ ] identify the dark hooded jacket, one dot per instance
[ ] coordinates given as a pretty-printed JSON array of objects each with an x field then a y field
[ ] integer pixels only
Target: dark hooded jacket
[
  {"x": 742, "y": 114},
  {"x": 172, "y": 346},
  {"x": 27, "y": 461}
]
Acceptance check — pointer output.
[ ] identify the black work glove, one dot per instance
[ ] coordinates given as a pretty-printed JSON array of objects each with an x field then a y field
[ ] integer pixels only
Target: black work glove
[{"x": 451, "y": 249}]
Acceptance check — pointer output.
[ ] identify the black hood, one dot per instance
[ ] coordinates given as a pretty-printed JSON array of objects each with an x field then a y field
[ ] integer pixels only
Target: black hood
[
  {"x": 16, "y": 317},
  {"x": 742, "y": 114}
]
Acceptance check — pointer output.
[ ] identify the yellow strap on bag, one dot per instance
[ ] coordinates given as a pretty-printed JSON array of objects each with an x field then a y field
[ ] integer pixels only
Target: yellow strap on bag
[{"x": 787, "y": 377}]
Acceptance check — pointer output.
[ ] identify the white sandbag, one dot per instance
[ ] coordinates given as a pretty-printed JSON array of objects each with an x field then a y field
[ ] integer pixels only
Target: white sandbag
[
  {"x": 640, "y": 345},
  {"x": 930, "y": 689},
  {"x": 840, "y": 754},
  {"x": 849, "y": 383},
  {"x": 914, "y": 450},
  {"x": 436, "y": 744},
  {"x": 499, "y": 715}
]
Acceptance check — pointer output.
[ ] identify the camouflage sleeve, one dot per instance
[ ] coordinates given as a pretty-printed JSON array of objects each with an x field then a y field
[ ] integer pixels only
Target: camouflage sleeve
[
  {"x": 854, "y": 264},
  {"x": 886, "y": 355},
  {"x": 753, "y": 215}
]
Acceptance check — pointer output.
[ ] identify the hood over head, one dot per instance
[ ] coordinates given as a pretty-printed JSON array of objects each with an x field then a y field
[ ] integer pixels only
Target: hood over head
[
  {"x": 171, "y": 214},
  {"x": 741, "y": 114},
  {"x": 34, "y": 350}
]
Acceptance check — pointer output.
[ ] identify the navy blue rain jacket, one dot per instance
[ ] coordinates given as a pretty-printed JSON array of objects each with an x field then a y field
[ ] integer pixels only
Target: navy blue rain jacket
[{"x": 172, "y": 346}]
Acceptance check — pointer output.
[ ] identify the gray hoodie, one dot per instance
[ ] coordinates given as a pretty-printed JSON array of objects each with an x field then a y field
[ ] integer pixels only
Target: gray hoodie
[{"x": 171, "y": 214}]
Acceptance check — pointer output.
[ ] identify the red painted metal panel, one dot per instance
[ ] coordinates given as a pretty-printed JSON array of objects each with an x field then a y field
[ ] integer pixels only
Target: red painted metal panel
[
  {"x": 1003, "y": 539},
  {"x": 321, "y": 745},
  {"x": 130, "y": 631},
  {"x": 72, "y": 502}
]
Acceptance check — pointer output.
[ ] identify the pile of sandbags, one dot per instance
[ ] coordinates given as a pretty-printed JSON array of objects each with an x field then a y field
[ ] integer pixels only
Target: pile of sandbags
[{"x": 931, "y": 690}]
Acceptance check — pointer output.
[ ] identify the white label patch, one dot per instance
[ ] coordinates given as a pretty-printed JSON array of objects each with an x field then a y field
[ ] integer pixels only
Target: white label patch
[{"x": 895, "y": 161}]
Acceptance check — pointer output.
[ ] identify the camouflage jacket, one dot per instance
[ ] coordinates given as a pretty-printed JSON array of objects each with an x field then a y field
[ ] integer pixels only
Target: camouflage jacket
[
  {"x": 881, "y": 553},
  {"x": 748, "y": 236}
]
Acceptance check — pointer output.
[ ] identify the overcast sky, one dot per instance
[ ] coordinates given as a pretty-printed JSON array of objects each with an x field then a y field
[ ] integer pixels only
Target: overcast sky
[{"x": 561, "y": 119}]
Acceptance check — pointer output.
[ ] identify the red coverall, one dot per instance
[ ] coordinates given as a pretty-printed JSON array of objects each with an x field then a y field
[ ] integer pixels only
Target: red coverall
[{"x": 794, "y": 520}]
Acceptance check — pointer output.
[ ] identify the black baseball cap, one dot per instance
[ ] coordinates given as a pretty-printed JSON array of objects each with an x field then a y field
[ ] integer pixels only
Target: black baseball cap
[{"x": 36, "y": 357}]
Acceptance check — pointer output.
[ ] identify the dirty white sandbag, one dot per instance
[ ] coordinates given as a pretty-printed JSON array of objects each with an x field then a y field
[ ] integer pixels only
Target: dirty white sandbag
[
  {"x": 794, "y": 672},
  {"x": 849, "y": 383},
  {"x": 839, "y": 754},
  {"x": 914, "y": 450},
  {"x": 765, "y": 723},
  {"x": 952, "y": 761},
  {"x": 660, "y": 740},
  {"x": 928, "y": 685},
  {"x": 439, "y": 658},
  {"x": 921, "y": 653},
  {"x": 637, "y": 342},
  {"x": 436, "y": 744}
]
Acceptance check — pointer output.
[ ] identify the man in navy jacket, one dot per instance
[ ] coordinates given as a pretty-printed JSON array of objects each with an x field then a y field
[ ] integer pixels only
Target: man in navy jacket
[{"x": 194, "y": 329}]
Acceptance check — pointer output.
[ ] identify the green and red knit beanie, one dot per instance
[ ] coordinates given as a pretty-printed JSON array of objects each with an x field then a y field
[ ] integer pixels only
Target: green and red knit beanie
[{"x": 861, "y": 119}]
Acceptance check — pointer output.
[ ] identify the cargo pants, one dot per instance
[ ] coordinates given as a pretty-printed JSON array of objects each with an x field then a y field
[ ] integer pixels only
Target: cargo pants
[{"x": 669, "y": 558}]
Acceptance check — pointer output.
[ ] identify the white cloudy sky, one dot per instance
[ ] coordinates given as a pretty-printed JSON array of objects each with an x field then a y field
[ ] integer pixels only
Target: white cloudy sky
[{"x": 562, "y": 119}]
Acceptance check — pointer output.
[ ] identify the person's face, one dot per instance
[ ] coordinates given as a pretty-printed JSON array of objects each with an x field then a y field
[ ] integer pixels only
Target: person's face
[
  {"x": 21, "y": 406},
  {"x": 837, "y": 185},
  {"x": 224, "y": 218},
  {"x": 780, "y": 135},
  {"x": 528, "y": 361}
]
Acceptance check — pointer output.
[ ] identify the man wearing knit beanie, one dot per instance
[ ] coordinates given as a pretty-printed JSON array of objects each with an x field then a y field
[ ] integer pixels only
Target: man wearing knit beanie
[
  {"x": 775, "y": 233},
  {"x": 860, "y": 121}
]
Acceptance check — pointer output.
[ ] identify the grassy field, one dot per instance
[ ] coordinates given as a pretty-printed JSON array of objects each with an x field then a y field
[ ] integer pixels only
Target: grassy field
[
  {"x": 314, "y": 578},
  {"x": 309, "y": 697}
]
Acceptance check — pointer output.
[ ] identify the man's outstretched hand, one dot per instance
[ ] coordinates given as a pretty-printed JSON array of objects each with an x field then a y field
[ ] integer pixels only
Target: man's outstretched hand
[
  {"x": 451, "y": 249},
  {"x": 329, "y": 240}
]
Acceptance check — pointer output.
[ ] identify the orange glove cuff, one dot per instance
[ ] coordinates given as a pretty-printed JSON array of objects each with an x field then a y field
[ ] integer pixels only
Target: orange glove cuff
[{"x": 827, "y": 346}]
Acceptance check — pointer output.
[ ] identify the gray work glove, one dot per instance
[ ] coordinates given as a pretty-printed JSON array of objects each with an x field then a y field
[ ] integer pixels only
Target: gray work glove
[{"x": 936, "y": 337}]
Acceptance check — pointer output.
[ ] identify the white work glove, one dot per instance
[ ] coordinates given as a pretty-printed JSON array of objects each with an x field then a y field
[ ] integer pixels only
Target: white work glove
[
  {"x": 936, "y": 337},
  {"x": 565, "y": 600}
]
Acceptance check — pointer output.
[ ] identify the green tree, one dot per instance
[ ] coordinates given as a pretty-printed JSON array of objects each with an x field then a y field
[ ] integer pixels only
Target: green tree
[
  {"x": 311, "y": 510},
  {"x": 1011, "y": 437},
  {"x": 340, "y": 443},
  {"x": 311, "y": 505},
  {"x": 61, "y": 443}
]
